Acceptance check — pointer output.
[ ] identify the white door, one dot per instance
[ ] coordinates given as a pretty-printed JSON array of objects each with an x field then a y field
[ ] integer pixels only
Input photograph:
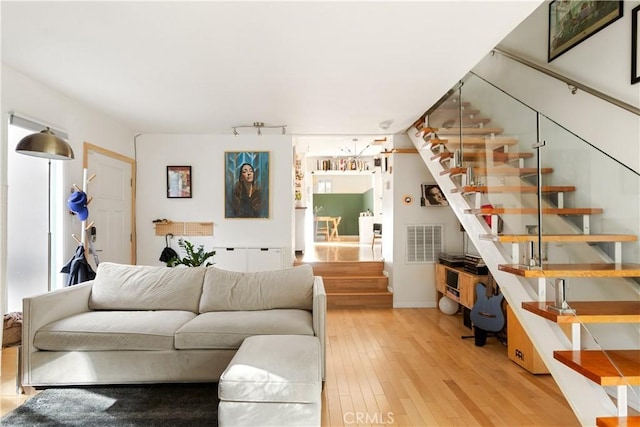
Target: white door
[{"x": 111, "y": 209}]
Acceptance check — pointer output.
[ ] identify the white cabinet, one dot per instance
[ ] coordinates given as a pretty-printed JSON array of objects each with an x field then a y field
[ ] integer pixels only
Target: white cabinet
[
  {"x": 245, "y": 259},
  {"x": 365, "y": 229},
  {"x": 299, "y": 230}
]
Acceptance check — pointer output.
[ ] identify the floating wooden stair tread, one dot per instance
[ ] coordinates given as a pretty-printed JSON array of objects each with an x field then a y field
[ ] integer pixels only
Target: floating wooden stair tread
[
  {"x": 525, "y": 211},
  {"x": 618, "y": 422},
  {"x": 465, "y": 121},
  {"x": 473, "y": 156},
  {"x": 514, "y": 189},
  {"x": 476, "y": 142},
  {"x": 466, "y": 112},
  {"x": 589, "y": 311},
  {"x": 470, "y": 131},
  {"x": 455, "y": 104},
  {"x": 505, "y": 171},
  {"x": 606, "y": 368},
  {"x": 573, "y": 270},
  {"x": 566, "y": 238}
]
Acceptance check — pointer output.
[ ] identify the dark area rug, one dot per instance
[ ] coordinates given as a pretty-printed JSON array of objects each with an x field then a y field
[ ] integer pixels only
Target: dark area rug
[{"x": 166, "y": 405}]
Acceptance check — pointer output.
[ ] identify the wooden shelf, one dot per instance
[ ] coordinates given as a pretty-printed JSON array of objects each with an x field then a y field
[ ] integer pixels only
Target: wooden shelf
[
  {"x": 182, "y": 228},
  {"x": 606, "y": 368},
  {"x": 465, "y": 293},
  {"x": 589, "y": 311},
  {"x": 573, "y": 270}
]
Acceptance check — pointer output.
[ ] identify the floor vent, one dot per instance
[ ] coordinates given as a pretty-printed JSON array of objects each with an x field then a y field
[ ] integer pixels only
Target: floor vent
[{"x": 424, "y": 243}]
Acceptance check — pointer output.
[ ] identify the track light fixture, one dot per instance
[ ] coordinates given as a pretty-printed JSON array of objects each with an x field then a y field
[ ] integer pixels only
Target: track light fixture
[{"x": 259, "y": 126}]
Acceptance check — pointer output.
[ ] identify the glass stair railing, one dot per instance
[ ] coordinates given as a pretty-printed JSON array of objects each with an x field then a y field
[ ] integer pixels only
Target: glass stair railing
[{"x": 561, "y": 216}]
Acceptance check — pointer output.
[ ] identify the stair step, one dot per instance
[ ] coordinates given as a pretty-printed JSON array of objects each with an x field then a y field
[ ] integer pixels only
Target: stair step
[
  {"x": 470, "y": 131},
  {"x": 504, "y": 171},
  {"x": 474, "y": 156},
  {"x": 355, "y": 283},
  {"x": 465, "y": 121},
  {"x": 466, "y": 112},
  {"x": 533, "y": 211},
  {"x": 453, "y": 104},
  {"x": 359, "y": 300},
  {"x": 564, "y": 238},
  {"x": 589, "y": 311},
  {"x": 606, "y": 368},
  {"x": 475, "y": 142},
  {"x": 347, "y": 268},
  {"x": 514, "y": 189},
  {"x": 618, "y": 422},
  {"x": 573, "y": 270}
]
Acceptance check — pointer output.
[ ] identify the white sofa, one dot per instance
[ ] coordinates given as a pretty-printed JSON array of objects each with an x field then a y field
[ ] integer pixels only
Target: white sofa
[{"x": 144, "y": 324}]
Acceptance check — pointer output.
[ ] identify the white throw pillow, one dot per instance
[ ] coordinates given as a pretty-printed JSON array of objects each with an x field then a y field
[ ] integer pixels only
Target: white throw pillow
[
  {"x": 264, "y": 290},
  {"x": 141, "y": 287}
]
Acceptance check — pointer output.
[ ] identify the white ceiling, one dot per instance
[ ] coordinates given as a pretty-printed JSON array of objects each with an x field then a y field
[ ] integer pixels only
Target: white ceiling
[{"x": 321, "y": 68}]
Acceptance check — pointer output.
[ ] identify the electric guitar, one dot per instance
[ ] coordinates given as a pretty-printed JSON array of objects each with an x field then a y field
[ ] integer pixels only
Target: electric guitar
[{"x": 487, "y": 312}]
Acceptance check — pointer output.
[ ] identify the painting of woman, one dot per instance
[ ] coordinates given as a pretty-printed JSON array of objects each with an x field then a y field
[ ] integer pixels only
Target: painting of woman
[{"x": 247, "y": 185}]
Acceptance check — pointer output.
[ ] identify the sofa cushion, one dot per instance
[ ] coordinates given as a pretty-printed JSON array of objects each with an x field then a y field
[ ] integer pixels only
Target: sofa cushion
[
  {"x": 139, "y": 287},
  {"x": 264, "y": 290},
  {"x": 113, "y": 330},
  {"x": 227, "y": 329},
  {"x": 279, "y": 368}
]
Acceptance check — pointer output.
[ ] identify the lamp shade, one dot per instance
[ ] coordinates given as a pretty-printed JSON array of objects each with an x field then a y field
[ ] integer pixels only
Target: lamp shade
[{"x": 45, "y": 144}]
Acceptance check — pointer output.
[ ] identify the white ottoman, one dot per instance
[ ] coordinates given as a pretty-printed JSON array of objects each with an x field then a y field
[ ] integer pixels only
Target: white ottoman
[{"x": 273, "y": 380}]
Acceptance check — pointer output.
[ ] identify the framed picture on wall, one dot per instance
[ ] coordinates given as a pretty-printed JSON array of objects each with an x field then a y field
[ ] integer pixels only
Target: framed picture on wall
[
  {"x": 246, "y": 184},
  {"x": 572, "y": 22},
  {"x": 179, "y": 182},
  {"x": 432, "y": 195},
  {"x": 635, "y": 45}
]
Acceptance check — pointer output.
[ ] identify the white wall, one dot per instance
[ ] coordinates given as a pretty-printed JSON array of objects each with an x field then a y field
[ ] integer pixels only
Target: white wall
[
  {"x": 205, "y": 155},
  {"x": 602, "y": 62},
  {"x": 25, "y": 96},
  {"x": 345, "y": 184},
  {"x": 414, "y": 284}
]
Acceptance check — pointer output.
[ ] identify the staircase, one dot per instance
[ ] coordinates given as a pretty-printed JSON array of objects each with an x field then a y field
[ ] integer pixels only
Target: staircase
[
  {"x": 459, "y": 157},
  {"x": 350, "y": 284}
]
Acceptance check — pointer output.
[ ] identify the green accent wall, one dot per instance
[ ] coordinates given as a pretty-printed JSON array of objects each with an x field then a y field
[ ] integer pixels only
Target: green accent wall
[{"x": 347, "y": 206}]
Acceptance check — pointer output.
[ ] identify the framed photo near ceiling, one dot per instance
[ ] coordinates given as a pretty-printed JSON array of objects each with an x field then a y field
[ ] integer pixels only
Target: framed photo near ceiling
[
  {"x": 573, "y": 21},
  {"x": 635, "y": 45},
  {"x": 246, "y": 184},
  {"x": 179, "y": 182},
  {"x": 432, "y": 195}
]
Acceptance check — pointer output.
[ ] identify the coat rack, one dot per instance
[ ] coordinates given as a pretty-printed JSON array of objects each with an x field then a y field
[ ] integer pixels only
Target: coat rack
[{"x": 85, "y": 227}]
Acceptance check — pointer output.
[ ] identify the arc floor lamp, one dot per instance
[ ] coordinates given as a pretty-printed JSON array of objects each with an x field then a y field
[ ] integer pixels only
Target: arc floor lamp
[{"x": 47, "y": 145}]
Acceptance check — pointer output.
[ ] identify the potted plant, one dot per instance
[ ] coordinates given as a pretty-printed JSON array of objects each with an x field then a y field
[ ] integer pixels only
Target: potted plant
[{"x": 194, "y": 258}]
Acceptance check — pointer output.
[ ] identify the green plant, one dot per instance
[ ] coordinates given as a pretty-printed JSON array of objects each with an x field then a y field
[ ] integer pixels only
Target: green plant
[{"x": 194, "y": 258}]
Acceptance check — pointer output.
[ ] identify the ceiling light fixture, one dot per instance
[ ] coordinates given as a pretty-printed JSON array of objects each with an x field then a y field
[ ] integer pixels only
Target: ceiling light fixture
[{"x": 259, "y": 126}]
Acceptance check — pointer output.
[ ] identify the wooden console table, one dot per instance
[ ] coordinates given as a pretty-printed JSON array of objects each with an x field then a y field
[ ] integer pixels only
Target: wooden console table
[{"x": 463, "y": 291}]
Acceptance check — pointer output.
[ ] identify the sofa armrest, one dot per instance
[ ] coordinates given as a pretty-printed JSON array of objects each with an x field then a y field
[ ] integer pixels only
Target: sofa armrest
[
  {"x": 320, "y": 318},
  {"x": 40, "y": 310}
]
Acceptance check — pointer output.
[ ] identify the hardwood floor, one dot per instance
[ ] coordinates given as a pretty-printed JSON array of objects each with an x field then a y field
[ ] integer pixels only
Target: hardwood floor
[
  {"x": 410, "y": 367},
  {"x": 407, "y": 367},
  {"x": 346, "y": 248}
]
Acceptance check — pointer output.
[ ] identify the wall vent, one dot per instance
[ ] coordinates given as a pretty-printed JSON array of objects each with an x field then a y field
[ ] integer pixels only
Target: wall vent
[{"x": 424, "y": 243}]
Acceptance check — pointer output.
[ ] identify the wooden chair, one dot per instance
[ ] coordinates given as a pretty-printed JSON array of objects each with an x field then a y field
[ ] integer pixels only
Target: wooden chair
[
  {"x": 334, "y": 232},
  {"x": 322, "y": 227},
  {"x": 377, "y": 234}
]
